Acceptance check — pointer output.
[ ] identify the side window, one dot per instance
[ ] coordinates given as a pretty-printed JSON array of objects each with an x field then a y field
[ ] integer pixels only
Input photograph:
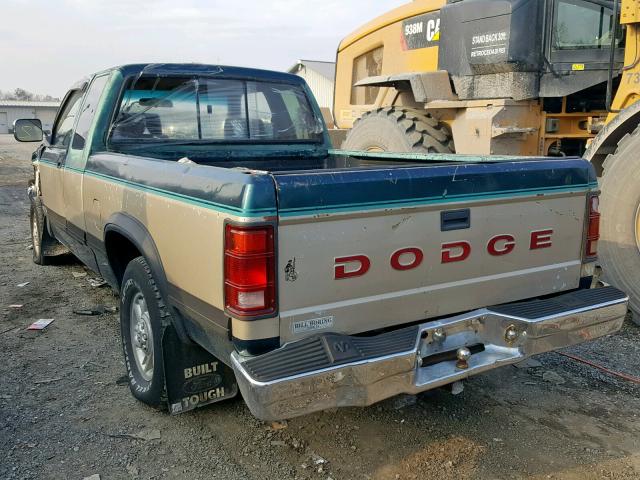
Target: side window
[
  {"x": 89, "y": 107},
  {"x": 364, "y": 66},
  {"x": 64, "y": 126},
  {"x": 593, "y": 30}
]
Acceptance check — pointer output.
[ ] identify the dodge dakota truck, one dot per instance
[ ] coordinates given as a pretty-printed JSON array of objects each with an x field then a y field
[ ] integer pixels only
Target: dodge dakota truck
[{"x": 249, "y": 255}]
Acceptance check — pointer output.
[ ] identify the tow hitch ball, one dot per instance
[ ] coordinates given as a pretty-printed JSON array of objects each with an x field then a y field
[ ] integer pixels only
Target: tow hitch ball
[{"x": 463, "y": 354}]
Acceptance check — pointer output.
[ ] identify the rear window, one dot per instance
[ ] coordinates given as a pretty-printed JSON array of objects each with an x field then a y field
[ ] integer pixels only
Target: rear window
[{"x": 169, "y": 110}]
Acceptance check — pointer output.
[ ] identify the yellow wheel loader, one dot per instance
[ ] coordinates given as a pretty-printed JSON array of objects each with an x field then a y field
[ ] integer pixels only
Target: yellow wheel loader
[{"x": 507, "y": 77}]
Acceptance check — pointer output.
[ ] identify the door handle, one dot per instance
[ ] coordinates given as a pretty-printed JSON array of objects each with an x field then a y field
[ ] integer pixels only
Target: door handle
[{"x": 455, "y": 220}]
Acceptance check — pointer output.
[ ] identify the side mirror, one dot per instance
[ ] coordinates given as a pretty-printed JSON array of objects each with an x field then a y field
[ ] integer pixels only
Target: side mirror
[{"x": 28, "y": 130}]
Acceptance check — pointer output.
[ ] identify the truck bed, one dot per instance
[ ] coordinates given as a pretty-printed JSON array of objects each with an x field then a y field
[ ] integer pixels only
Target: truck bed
[{"x": 389, "y": 210}]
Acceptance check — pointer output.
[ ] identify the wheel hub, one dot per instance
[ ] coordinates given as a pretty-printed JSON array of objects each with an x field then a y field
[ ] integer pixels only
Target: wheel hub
[{"x": 142, "y": 336}]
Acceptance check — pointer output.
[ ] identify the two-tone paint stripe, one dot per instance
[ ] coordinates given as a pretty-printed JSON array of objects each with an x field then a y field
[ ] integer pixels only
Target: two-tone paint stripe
[{"x": 228, "y": 209}]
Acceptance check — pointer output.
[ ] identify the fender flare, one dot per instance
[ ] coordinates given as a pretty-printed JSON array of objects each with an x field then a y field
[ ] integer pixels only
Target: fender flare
[
  {"x": 606, "y": 141},
  {"x": 134, "y": 231},
  {"x": 424, "y": 86}
]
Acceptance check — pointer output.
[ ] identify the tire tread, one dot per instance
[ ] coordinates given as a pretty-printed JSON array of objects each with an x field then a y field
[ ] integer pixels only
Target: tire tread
[
  {"x": 619, "y": 266},
  {"x": 425, "y": 133}
]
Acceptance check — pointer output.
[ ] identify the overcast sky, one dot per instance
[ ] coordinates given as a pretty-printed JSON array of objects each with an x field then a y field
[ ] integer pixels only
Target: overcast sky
[{"x": 46, "y": 45}]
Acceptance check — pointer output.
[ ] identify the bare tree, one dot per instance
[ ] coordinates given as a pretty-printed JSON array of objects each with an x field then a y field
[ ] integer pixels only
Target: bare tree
[
  {"x": 25, "y": 95},
  {"x": 22, "y": 94}
]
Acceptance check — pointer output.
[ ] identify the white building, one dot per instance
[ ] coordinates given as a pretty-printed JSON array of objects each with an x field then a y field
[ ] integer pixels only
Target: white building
[
  {"x": 12, "y": 110},
  {"x": 320, "y": 77}
]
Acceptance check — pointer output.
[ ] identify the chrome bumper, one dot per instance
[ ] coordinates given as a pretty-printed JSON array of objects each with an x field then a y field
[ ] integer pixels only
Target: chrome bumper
[{"x": 333, "y": 370}]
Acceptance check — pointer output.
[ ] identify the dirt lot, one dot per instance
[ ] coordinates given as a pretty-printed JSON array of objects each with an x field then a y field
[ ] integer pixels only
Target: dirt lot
[{"x": 65, "y": 413}]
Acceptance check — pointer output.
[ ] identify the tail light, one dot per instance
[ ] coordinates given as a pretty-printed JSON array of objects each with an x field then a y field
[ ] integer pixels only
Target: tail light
[
  {"x": 249, "y": 271},
  {"x": 593, "y": 229}
]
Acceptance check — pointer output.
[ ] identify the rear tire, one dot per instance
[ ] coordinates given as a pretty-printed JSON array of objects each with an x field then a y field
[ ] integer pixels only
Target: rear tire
[
  {"x": 397, "y": 129},
  {"x": 619, "y": 246},
  {"x": 143, "y": 317}
]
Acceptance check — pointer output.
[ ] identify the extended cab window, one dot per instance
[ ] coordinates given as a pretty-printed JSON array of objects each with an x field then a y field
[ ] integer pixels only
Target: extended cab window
[
  {"x": 64, "y": 127},
  {"x": 88, "y": 112},
  {"x": 181, "y": 110}
]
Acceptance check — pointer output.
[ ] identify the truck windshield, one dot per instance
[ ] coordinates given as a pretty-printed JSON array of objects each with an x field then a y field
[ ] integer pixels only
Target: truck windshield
[{"x": 168, "y": 110}]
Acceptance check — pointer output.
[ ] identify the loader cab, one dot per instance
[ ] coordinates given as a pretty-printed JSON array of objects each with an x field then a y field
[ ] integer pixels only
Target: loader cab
[{"x": 534, "y": 48}]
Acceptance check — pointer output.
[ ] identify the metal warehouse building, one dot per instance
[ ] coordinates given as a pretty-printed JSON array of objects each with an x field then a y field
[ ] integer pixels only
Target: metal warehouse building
[
  {"x": 320, "y": 77},
  {"x": 11, "y": 110}
]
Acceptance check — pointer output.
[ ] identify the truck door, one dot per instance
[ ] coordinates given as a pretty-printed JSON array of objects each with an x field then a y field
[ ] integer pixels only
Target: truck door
[
  {"x": 52, "y": 160},
  {"x": 76, "y": 160}
]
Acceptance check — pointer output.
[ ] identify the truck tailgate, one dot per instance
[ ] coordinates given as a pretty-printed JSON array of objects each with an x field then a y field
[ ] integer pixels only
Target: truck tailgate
[{"x": 365, "y": 248}]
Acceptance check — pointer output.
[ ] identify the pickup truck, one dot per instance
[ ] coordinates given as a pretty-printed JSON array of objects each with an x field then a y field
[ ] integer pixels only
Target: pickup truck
[{"x": 250, "y": 256}]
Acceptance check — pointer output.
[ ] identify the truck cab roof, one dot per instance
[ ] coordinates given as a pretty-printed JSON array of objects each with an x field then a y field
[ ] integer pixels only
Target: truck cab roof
[
  {"x": 169, "y": 69},
  {"x": 223, "y": 71}
]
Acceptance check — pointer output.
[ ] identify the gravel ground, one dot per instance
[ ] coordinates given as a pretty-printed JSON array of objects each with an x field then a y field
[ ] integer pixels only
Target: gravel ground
[{"x": 65, "y": 413}]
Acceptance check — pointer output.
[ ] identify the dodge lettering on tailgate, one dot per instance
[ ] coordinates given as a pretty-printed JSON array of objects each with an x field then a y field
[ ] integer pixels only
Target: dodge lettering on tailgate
[{"x": 412, "y": 257}]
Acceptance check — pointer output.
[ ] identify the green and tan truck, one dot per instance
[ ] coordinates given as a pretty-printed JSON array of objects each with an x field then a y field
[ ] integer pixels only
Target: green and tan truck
[{"x": 250, "y": 255}]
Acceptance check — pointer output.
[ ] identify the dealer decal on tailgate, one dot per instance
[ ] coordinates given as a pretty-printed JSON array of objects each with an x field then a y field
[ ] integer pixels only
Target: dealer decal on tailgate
[{"x": 312, "y": 324}]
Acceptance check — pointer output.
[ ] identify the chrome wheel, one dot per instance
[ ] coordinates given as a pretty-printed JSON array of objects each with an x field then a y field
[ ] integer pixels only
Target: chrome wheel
[
  {"x": 35, "y": 235},
  {"x": 141, "y": 336}
]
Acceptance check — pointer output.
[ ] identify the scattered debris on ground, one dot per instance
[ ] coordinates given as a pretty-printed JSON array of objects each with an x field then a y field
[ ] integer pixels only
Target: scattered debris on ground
[
  {"x": 279, "y": 425},
  {"x": 146, "y": 434},
  {"x": 97, "y": 282},
  {"x": 40, "y": 324},
  {"x": 47, "y": 380},
  {"x": 93, "y": 311}
]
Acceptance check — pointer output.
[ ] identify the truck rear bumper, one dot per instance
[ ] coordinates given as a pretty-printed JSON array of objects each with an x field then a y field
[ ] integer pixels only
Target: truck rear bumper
[{"x": 333, "y": 370}]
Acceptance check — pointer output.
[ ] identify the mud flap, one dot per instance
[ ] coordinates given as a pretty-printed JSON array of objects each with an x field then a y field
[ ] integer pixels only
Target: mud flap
[{"x": 194, "y": 378}]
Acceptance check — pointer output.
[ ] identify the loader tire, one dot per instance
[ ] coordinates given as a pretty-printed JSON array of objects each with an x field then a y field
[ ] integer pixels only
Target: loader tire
[
  {"x": 396, "y": 129},
  {"x": 619, "y": 245}
]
